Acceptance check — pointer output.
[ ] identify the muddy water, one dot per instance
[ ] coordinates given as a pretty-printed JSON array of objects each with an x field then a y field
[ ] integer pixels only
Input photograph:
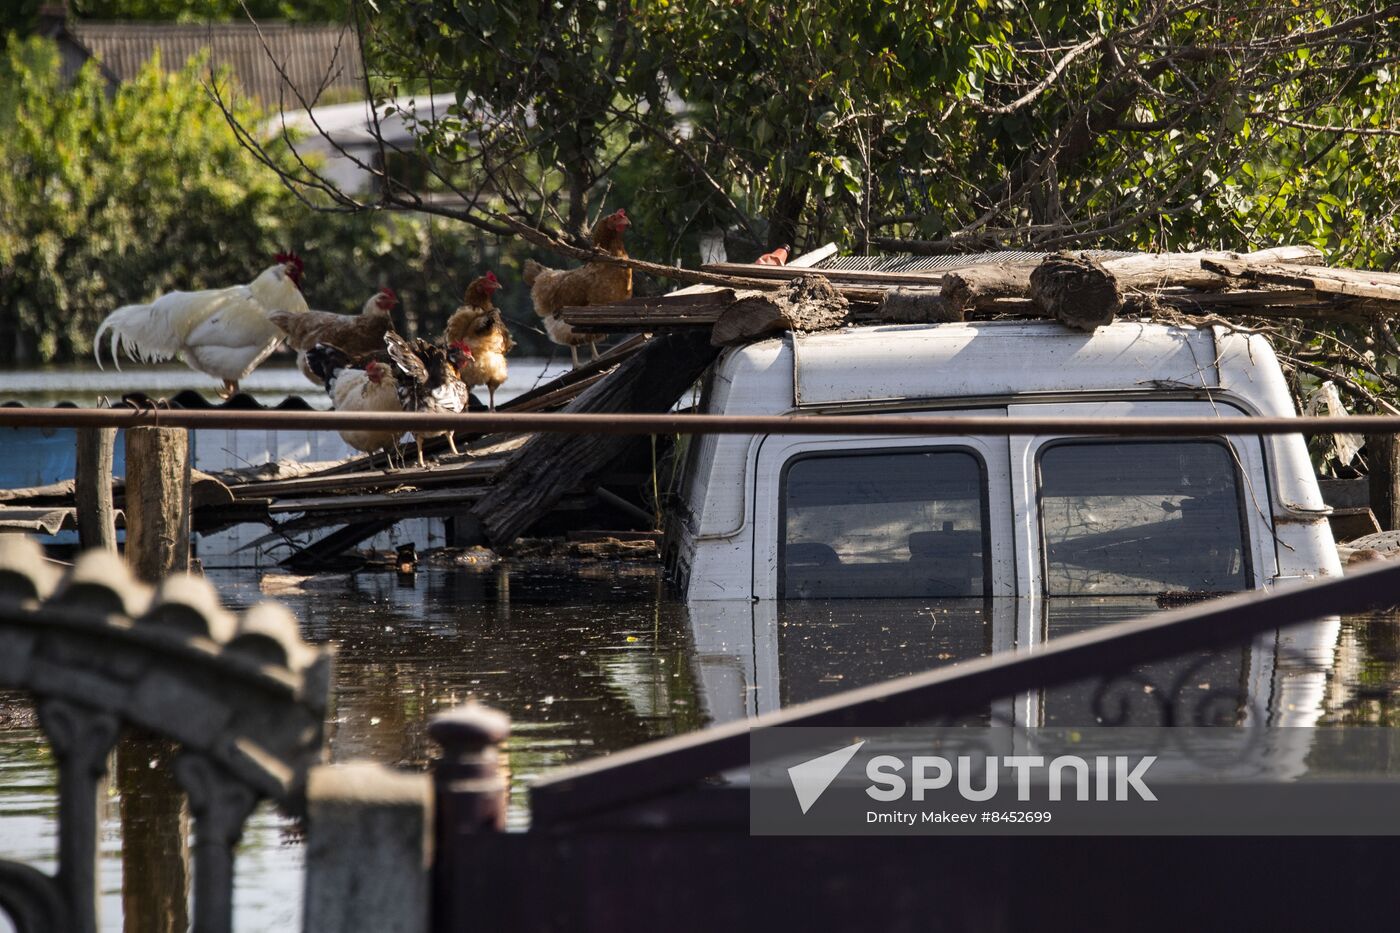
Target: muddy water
[{"x": 585, "y": 663}]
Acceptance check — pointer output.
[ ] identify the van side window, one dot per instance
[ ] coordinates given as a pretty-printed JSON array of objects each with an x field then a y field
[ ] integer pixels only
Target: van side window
[
  {"x": 888, "y": 524},
  {"x": 1141, "y": 518}
]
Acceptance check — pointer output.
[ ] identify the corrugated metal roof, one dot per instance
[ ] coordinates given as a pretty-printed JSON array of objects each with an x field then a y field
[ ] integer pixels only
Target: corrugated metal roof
[
  {"x": 906, "y": 263},
  {"x": 312, "y": 56},
  {"x": 187, "y": 399}
]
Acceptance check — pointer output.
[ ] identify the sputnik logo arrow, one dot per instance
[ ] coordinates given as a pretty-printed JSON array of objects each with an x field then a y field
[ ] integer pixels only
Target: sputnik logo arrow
[{"x": 811, "y": 778}]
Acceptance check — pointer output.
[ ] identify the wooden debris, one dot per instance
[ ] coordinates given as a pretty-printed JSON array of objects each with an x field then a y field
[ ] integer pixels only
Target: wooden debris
[
  {"x": 977, "y": 287},
  {"x": 653, "y": 314},
  {"x": 806, "y": 304},
  {"x": 549, "y": 466},
  {"x": 1351, "y": 283},
  {"x": 1153, "y": 271},
  {"x": 609, "y": 548},
  {"x": 906, "y": 305},
  {"x": 1383, "y": 459},
  {"x": 780, "y": 274},
  {"x": 1076, "y": 291}
]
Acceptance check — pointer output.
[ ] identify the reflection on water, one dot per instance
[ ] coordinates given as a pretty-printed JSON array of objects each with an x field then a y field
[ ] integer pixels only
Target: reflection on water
[{"x": 590, "y": 662}]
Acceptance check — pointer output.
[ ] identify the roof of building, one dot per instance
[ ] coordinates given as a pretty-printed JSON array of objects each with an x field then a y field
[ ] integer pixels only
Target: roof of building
[
  {"x": 400, "y": 120},
  {"x": 315, "y": 59}
]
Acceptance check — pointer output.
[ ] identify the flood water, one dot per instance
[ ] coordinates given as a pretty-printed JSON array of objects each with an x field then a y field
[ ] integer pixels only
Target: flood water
[{"x": 592, "y": 659}]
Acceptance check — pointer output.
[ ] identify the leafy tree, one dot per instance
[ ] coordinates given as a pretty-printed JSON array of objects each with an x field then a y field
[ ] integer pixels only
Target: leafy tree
[
  {"x": 111, "y": 199},
  {"x": 896, "y": 124}
]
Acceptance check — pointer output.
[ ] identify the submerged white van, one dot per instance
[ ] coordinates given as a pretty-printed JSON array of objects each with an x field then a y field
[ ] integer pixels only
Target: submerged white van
[
  {"x": 793, "y": 517},
  {"x": 957, "y": 547}
]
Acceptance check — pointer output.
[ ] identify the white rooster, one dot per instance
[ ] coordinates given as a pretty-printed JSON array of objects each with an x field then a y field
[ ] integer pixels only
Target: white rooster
[{"x": 224, "y": 332}]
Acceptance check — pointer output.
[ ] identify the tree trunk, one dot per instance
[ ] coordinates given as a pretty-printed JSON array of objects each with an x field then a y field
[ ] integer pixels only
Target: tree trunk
[
  {"x": 550, "y": 466},
  {"x": 981, "y": 286},
  {"x": 1076, "y": 291},
  {"x": 917, "y": 306}
]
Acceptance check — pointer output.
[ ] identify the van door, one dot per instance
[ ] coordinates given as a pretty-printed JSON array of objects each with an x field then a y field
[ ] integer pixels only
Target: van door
[
  {"x": 876, "y": 557},
  {"x": 1113, "y": 516},
  {"x": 1109, "y": 528},
  {"x": 846, "y": 517}
]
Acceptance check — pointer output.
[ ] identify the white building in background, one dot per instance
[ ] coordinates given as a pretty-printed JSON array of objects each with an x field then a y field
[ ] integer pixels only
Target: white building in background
[{"x": 348, "y": 137}]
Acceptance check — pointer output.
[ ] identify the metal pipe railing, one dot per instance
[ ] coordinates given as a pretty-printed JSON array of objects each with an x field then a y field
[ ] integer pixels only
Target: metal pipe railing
[{"x": 622, "y": 423}]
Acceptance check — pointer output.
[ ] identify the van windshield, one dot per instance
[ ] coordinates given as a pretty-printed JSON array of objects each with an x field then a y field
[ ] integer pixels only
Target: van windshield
[
  {"x": 1125, "y": 518},
  {"x": 884, "y": 524}
]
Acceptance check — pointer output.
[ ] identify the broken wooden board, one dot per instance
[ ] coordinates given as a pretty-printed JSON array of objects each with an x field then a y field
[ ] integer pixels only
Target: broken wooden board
[
  {"x": 550, "y": 466},
  {"x": 653, "y": 314}
]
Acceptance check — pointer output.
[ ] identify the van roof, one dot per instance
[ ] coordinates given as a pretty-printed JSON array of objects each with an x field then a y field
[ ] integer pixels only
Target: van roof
[{"x": 986, "y": 359}]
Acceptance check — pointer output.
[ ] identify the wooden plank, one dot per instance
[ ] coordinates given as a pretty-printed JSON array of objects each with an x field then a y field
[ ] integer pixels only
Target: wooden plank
[
  {"x": 96, "y": 516},
  {"x": 1353, "y": 283},
  {"x": 475, "y": 470},
  {"x": 663, "y": 766},
  {"x": 809, "y": 259},
  {"x": 324, "y": 551},
  {"x": 609, "y": 359},
  {"x": 689, "y": 309},
  {"x": 852, "y": 276},
  {"x": 408, "y": 499}
]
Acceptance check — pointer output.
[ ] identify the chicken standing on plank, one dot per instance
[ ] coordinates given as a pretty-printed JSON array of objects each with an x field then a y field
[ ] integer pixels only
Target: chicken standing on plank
[
  {"x": 356, "y": 336},
  {"x": 594, "y": 283},
  {"x": 351, "y": 388},
  {"x": 427, "y": 380},
  {"x": 224, "y": 332},
  {"x": 478, "y": 324}
]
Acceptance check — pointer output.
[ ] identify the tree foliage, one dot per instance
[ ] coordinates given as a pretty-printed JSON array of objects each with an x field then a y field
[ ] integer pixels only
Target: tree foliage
[
  {"x": 113, "y": 198},
  {"x": 948, "y": 124}
]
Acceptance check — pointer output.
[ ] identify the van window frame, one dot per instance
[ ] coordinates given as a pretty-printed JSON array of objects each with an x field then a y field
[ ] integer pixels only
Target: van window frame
[
  {"x": 984, "y": 487},
  {"x": 1241, "y": 507}
]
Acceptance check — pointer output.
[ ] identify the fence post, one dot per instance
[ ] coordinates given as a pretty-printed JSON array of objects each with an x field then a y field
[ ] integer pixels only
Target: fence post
[
  {"x": 92, "y": 482},
  {"x": 1383, "y": 459},
  {"x": 368, "y": 844},
  {"x": 157, "y": 502},
  {"x": 470, "y": 788}
]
